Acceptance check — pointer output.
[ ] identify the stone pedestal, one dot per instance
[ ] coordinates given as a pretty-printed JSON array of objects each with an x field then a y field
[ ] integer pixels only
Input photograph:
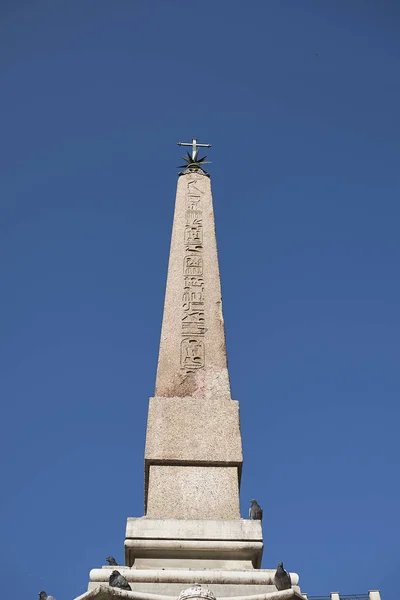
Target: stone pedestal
[
  {"x": 168, "y": 583},
  {"x": 165, "y": 555},
  {"x": 193, "y": 459},
  {"x": 104, "y": 592},
  {"x": 193, "y": 544}
]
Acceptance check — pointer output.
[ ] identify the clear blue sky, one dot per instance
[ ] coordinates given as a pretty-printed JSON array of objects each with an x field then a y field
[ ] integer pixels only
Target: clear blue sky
[{"x": 300, "y": 100}]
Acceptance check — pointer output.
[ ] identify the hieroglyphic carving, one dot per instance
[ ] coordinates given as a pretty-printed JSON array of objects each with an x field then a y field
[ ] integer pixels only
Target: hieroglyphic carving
[
  {"x": 192, "y": 216},
  {"x": 192, "y": 354},
  {"x": 194, "y": 238},
  {"x": 195, "y": 282},
  {"x": 193, "y": 320},
  {"x": 193, "y": 264}
]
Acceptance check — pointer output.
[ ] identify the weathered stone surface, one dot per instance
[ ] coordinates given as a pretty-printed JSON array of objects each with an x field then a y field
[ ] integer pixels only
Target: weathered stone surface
[
  {"x": 211, "y": 562},
  {"x": 176, "y": 543},
  {"x": 188, "y": 430},
  {"x": 192, "y": 421},
  {"x": 240, "y": 591},
  {"x": 104, "y": 592},
  {"x": 193, "y": 492},
  {"x": 216, "y": 577},
  {"x": 192, "y": 359},
  {"x": 137, "y": 577},
  {"x": 177, "y": 529}
]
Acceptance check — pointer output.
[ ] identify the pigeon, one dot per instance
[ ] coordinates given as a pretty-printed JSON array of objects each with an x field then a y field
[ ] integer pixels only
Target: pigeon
[
  {"x": 255, "y": 512},
  {"x": 111, "y": 561},
  {"x": 44, "y": 596},
  {"x": 282, "y": 579},
  {"x": 117, "y": 580}
]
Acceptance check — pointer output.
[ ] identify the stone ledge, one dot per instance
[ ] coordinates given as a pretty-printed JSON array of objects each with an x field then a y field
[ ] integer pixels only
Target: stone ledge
[
  {"x": 194, "y": 553},
  {"x": 157, "y": 548},
  {"x": 228, "y": 592},
  {"x": 194, "y": 529},
  {"x": 183, "y": 576},
  {"x": 215, "y": 544},
  {"x": 104, "y": 592}
]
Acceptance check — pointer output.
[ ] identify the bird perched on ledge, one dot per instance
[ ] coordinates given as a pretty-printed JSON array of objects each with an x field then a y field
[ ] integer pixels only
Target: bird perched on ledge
[
  {"x": 282, "y": 579},
  {"x": 255, "y": 512},
  {"x": 111, "y": 561},
  {"x": 117, "y": 580},
  {"x": 44, "y": 596}
]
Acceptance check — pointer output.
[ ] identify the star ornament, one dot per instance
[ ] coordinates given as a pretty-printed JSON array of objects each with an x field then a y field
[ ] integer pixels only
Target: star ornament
[{"x": 193, "y": 161}]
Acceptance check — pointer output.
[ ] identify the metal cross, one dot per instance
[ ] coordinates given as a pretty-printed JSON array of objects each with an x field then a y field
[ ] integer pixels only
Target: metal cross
[{"x": 194, "y": 145}]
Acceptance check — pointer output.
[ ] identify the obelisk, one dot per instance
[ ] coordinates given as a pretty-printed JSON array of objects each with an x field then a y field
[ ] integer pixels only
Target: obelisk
[
  {"x": 192, "y": 359},
  {"x": 193, "y": 437}
]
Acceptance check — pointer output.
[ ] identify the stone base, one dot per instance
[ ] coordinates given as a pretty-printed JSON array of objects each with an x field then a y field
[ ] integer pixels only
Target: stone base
[
  {"x": 179, "y": 543},
  {"x": 193, "y": 492},
  {"x": 193, "y": 459},
  {"x": 173, "y": 590},
  {"x": 170, "y": 582},
  {"x": 104, "y": 592},
  {"x": 192, "y": 430},
  {"x": 166, "y": 556}
]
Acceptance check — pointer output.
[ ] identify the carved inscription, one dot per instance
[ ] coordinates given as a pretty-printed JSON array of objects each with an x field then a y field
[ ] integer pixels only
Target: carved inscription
[
  {"x": 192, "y": 353},
  {"x": 193, "y": 322},
  {"x": 193, "y": 264}
]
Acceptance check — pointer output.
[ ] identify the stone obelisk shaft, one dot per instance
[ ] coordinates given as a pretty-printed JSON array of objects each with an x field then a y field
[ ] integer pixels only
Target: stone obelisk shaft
[
  {"x": 193, "y": 440},
  {"x": 192, "y": 359}
]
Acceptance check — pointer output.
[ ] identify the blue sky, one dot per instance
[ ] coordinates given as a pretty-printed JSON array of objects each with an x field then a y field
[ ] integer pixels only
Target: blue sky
[{"x": 300, "y": 100}]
